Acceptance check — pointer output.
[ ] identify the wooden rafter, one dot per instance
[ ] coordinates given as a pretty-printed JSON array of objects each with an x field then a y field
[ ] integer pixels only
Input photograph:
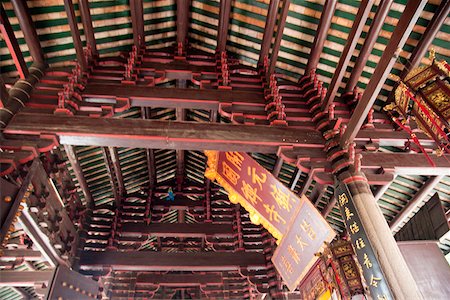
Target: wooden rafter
[
  {"x": 279, "y": 35},
  {"x": 137, "y": 21},
  {"x": 269, "y": 28},
  {"x": 224, "y": 21},
  {"x": 87, "y": 25},
  {"x": 73, "y": 24},
  {"x": 182, "y": 22}
]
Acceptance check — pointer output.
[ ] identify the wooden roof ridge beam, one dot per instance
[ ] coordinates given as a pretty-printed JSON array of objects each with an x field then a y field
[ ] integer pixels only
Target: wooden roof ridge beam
[
  {"x": 166, "y": 261},
  {"x": 75, "y": 130},
  {"x": 87, "y": 25},
  {"x": 358, "y": 25},
  {"x": 137, "y": 22},
  {"x": 269, "y": 29},
  {"x": 182, "y": 24},
  {"x": 369, "y": 42},
  {"x": 12, "y": 44},
  {"x": 428, "y": 36},
  {"x": 321, "y": 36},
  {"x": 79, "y": 175},
  {"x": 279, "y": 35},
  {"x": 401, "y": 33},
  {"x": 417, "y": 201},
  {"x": 29, "y": 31},
  {"x": 224, "y": 21},
  {"x": 73, "y": 24}
]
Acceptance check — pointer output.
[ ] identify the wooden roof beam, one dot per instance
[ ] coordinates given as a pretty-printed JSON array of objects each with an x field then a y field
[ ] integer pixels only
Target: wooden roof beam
[
  {"x": 117, "y": 170},
  {"x": 164, "y": 261},
  {"x": 358, "y": 25},
  {"x": 428, "y": 36},
  {"x": 29, "y": 31},
  {"x": 180, "y": 114},
  {"x": 369, "y": 42},
  {"x": 177, "y": 280},
  {"x": 321, "y": 35},
  {"x": 24, "y": 278},
  {"x": 137, "y": 21},
  {"x": 224, "y": 21},
  {"x": 178, "y": 230},
  {"x": 401, "y": 33},
  {"x": 4, "y": 94},
  {"x": 279, "y": 35},
  {"x": 110, "y": 169},
  {"x": 269, "y": 28},
  {"x": 12, "y": 44},
  {"x": 79, "y": 175},
  {"x": 182, "y": 22},
  {"x": 74, "y": 130},
  {"x": 416, "y": 202},
  {"x": 73, "y": 24},
  {"x": 87, "y": 25},
  {"x": 150, "y": 154}
]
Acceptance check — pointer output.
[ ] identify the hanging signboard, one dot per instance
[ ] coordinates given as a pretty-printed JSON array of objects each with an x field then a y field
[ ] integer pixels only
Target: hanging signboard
[
  {"x": 364, "y": 252},
  {"x": 296, "y": 253},
  {"x": 267, "y": 200}
]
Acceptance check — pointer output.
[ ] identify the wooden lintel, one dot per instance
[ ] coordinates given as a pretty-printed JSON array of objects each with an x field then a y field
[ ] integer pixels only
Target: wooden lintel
[
  {"x": 179, "y": 279},
  {"x": 26, "y": 254},
  {"x": 24, "y": 278},
  {"x": 177, "y": 229}
]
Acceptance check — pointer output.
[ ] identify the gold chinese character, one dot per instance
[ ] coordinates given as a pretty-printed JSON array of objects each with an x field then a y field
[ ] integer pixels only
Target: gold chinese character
[
  {"x": 273, "y": 214},
  {"x": 354, "y": 228},
  {"x": 230, "y": 174},
  {"x": 382, "y": 297},
  {"x": 343, "y": 199},
  {"x": 287, "y": 264},
  {"x": 282, "y": 199},
  {"x": 294, "y": 254},
  {"x": 348, "y": 213},
  {"x": 256, "y": 178},
  {"x": 374, "y": 281},
  {"x": 235, "y": 158},
  {"x": 367, "y": 261},
  {"x": 300, "y": 242},
  {"x": 250, "y": 193},
  {"x": 360, "y": 244},
  {"x": 308, "y": 229}
]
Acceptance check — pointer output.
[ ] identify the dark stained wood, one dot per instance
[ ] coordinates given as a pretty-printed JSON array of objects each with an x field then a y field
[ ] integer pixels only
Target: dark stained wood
[
  {"x": 110, "y": 169},
  {"x": 177, "y": 229},
  {"x": 29, "y": 31},
  {"x": 12, "y": 44},
  {"x": 149, "y": 153},
  {"x": 117, "y": 170},
  {"x": 24, "y": 278},
  {"x": 164, "y": 261},
  {"x": 73, "y": 24},
  {"x": 137, "y": 20},
  {"x": 3, "y": 93},
  {"x": 224, "y": 21},
  {"x": 358, "y": 25},
  {"x": 26, "y": 254},
  {"x": 269, "y": 28},
  {"x": 87, "y": 25},
  {"x": 369, "y": 42},
  {"x": 277, "y": 168},
  {"x": 182, "y": 21},
  {"x": 162, "y": 134},
  {"x": 179, "y": 279},
  {"x": 279, "y": 35},
  {"x": 428, "y": 36},
  {"x": 75, "y": 163},
  {"x": 401, "y": 33},
  {"x": 321, "y": 35}
]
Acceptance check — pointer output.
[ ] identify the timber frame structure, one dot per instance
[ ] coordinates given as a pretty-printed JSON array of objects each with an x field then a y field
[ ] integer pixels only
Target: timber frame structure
[{"x": 95, "y": 135}]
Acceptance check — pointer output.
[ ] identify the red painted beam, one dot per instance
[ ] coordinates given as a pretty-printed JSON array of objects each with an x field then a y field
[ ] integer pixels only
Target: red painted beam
[
  {"x": 177, "y": 280},
  {"x": 73, "y": 24},
  {"x": 321, "y": 35},
  {"x": 87, "y": 25},
  {"x": 182, "y": 21},
  {"x": 279, "y": 35},
  {"x": 137, "y": 21},
  {"x": 179, "y": 230},
  {"x": 269, "y": 28},
  {"x": 12, "y": 44},
  {"x": 224, "y": 21},
  {"x": 401, "y": 33},
  {"x": 164, "y": 261}
]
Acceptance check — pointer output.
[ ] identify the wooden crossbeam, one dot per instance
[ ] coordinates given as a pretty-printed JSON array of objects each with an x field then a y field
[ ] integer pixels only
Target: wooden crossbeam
[
  {"x": 179, "y": 279},
  {"x": 165, "y": 261},
  {"x": 224, "y": 21},
  {"x": 401, "y": 33},
  {"x": 26, "y": 254},
  {"x": 12, "y": 44},
  {"x": 24, "y": 278},
  {"x": 74, "y": 130},
  {"x": 177, "y": 229}
]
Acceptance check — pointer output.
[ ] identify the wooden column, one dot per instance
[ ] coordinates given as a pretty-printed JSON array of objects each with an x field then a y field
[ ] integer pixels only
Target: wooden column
[
  {"x": 29, "y": 32},
  {"x": 87, "y": 25},
  {"x": 279, "y": 36},
  {"x": 372, "y": 35},
  {"x": 137, "y": 21},
  {"x": 358, "y": 25},
  {"x": 12, "y": 44},
  {"x": 269, "y": 28},
  {"x": 224, "y": 21},
  {"x": 394, "y": 267},
  {"x": 401, "y": 33},
  {"x": 321, "y": 36},
  {"x": 73, "y": 24}
]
